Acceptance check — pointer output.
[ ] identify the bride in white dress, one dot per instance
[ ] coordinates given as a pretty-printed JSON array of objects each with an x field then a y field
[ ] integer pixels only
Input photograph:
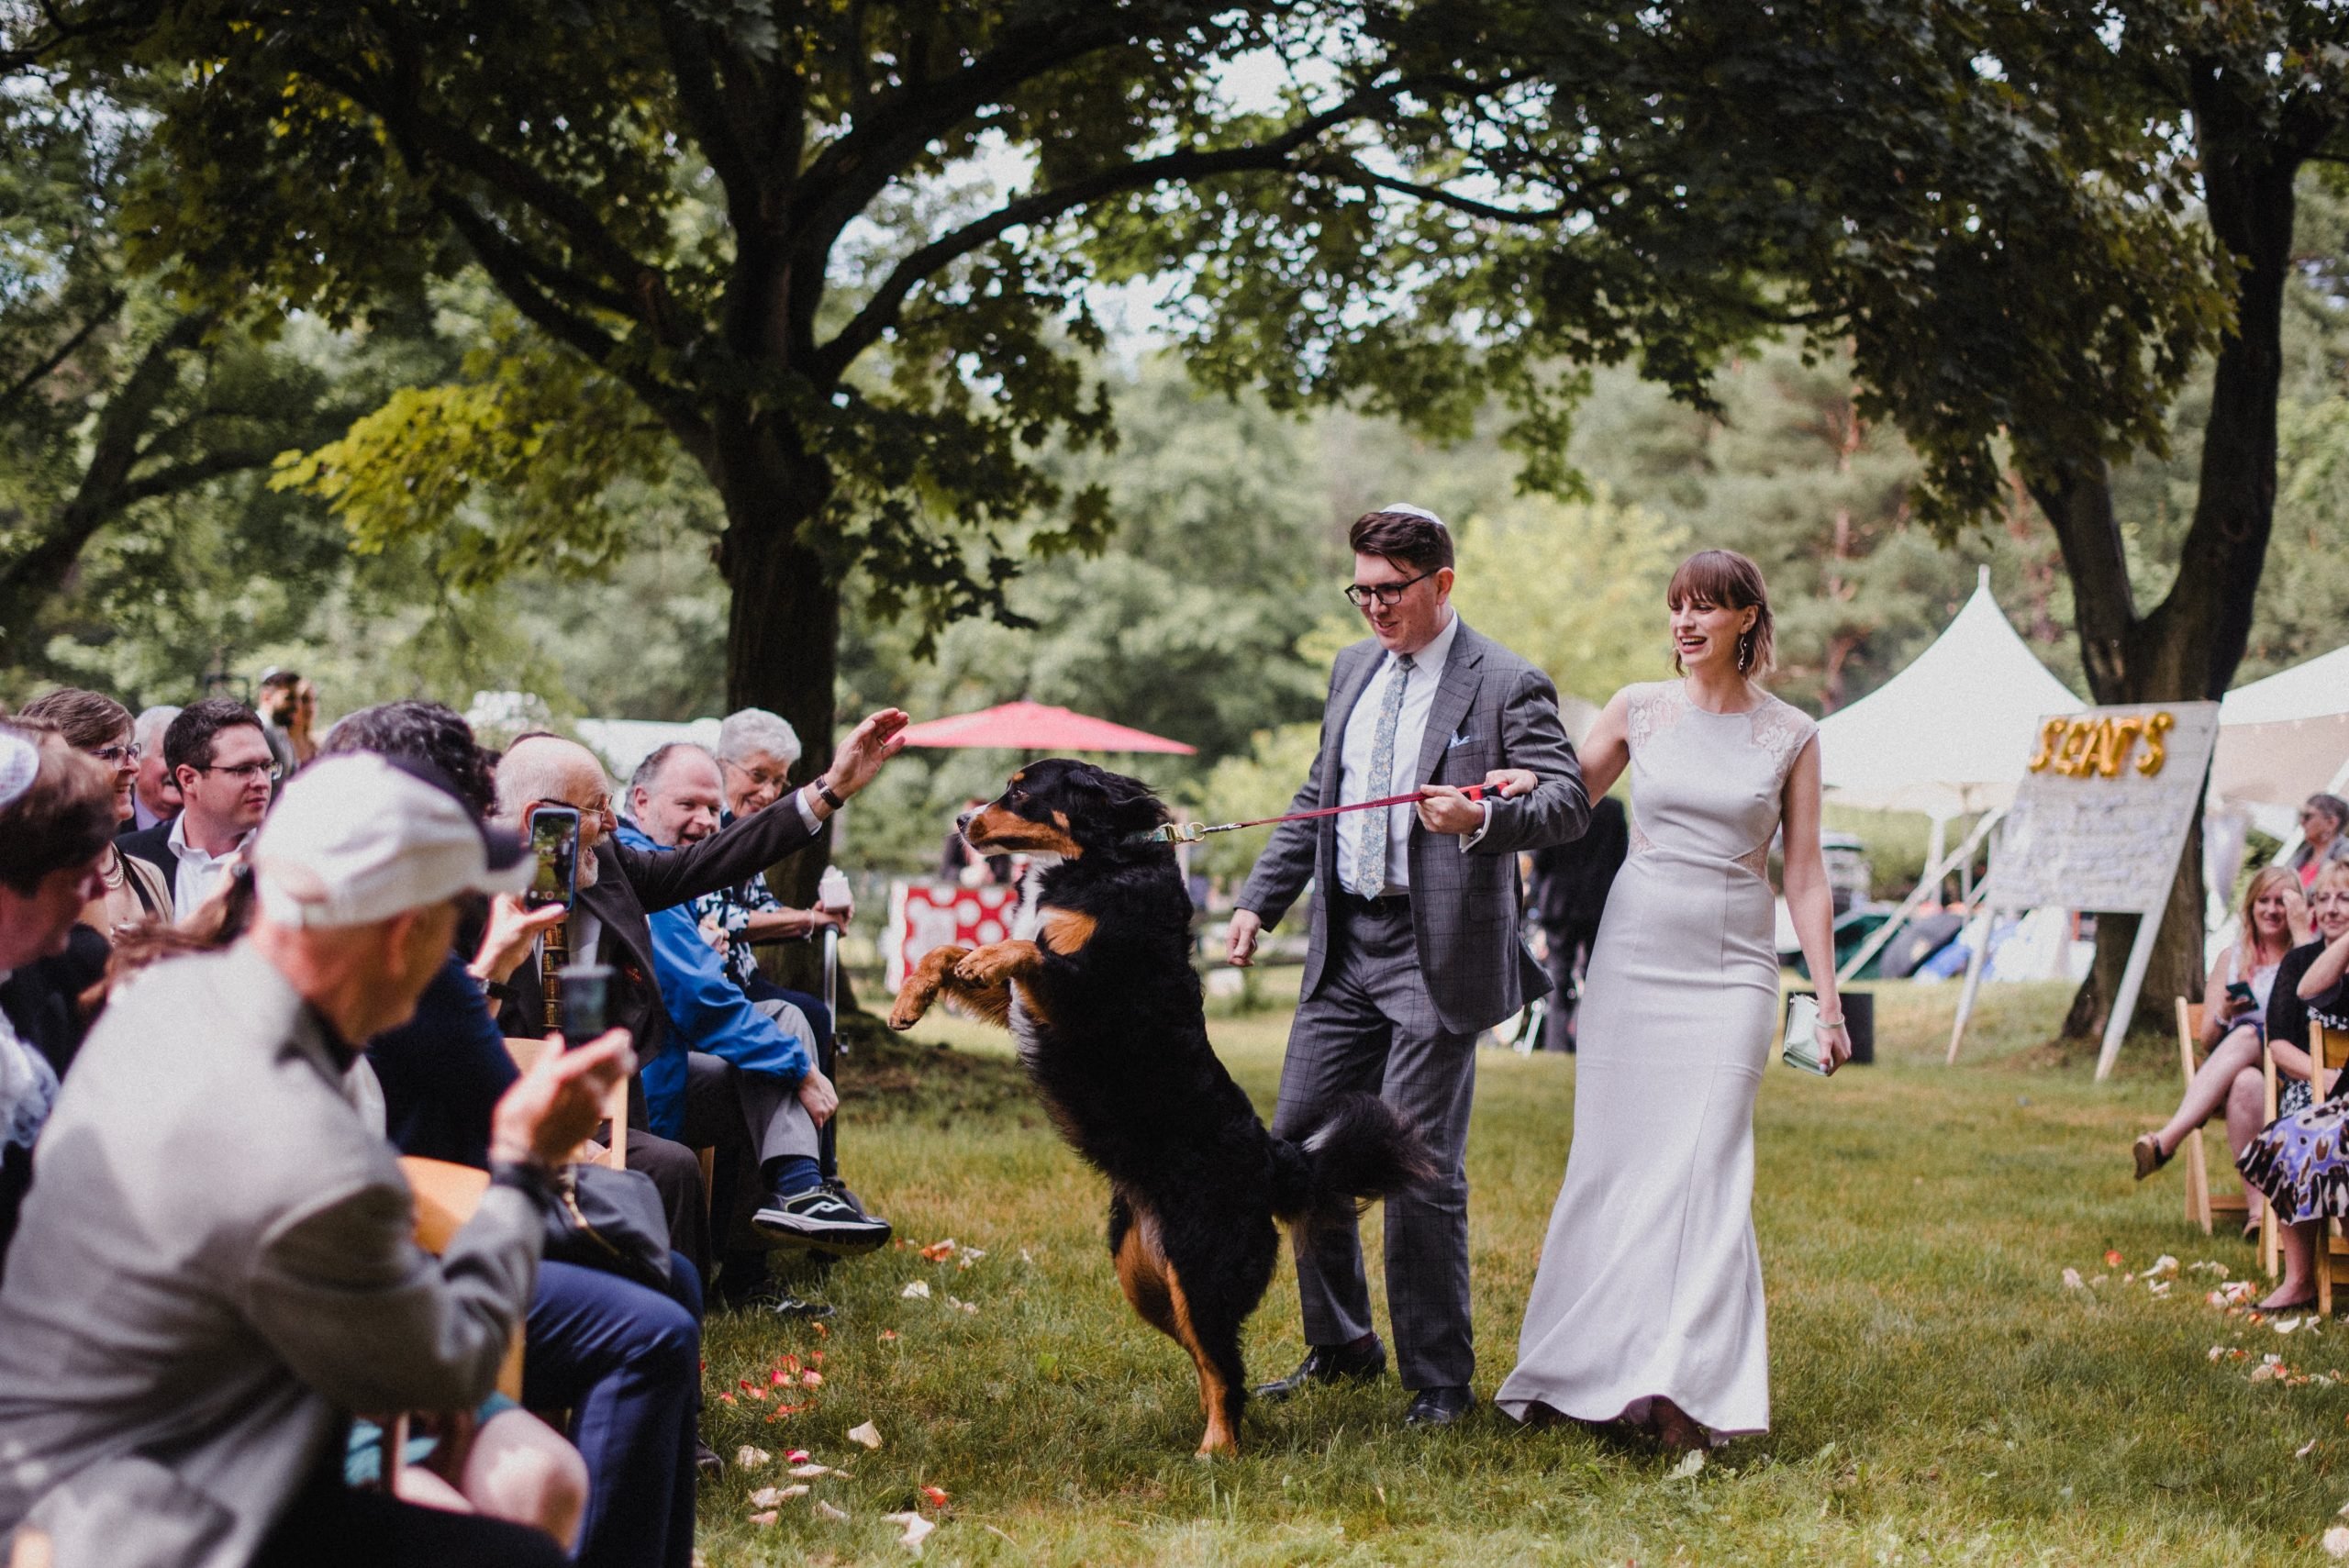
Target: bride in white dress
[{"x": 1647, "y": 1307}]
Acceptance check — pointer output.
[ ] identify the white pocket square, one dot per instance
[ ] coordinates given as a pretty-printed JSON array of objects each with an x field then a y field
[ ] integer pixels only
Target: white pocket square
[{"x": 1457, "y": 739}]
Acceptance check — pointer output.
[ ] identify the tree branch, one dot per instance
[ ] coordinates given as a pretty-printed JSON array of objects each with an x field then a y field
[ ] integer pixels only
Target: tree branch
[
  {"x": 887, "y": 302},
  {"x": 39, "y": 372},
  {"x": 423, "y": 139},
  {"x": 1352, "y": 169},
  {"x": 847, "y": 174}
]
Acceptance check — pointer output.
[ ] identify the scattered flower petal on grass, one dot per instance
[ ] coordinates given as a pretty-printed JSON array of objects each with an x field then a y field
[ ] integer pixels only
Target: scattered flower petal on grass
[
  {"x": 970, "y": 1258},
  {"x": 1690, "y": 1463},
  {"x": 865, "y": 1436},
  {"x": 2285, "y": 1325},
  {"x": 2336, "y": 1541},
  {"x": 916, "y": 1290},
  {"x": 796, "y": 1456},
  {"x": 939, "y": 1252},
  {"x": 936, "y": 1495},
  {"x": 970, "y": 1307},
  {"x": 769, "y": 1497},
  {"x": 767, "y": 1517},
  {"x": 750, "y": 1458},
  {"x": 825, "y": 1511},
  {"x": 2164, "y": 1264},
  {"x": 2112, "y": 1257},
  {"x": 809, "y": 1472},
  {"x": 888, "y": 1335},
  {"x": 2072, "y": 1280},
  {"x": 811, "y": 1380},
  {"x": 915, "y": 1527},
  {"x": 2305, "y": 1449}
]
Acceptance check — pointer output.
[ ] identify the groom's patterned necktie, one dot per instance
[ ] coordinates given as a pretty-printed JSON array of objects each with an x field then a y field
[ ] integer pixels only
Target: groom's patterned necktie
[{"x": 1370, "y": 864}]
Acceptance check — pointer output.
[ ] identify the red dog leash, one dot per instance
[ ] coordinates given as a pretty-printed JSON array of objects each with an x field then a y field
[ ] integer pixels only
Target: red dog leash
[{"x": 1192, "y": 832}]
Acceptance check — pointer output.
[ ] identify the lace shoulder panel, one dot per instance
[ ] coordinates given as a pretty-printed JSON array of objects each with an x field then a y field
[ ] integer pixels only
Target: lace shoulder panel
[
  {"x": 1782, "y": 729},
  {"x": 1653, "y": 710}
]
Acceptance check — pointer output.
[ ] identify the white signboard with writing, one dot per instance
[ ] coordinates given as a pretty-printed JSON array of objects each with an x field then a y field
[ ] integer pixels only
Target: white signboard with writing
[
  {"x": 2101, "y": 815},
  {"x": 2097, "y": 824}
]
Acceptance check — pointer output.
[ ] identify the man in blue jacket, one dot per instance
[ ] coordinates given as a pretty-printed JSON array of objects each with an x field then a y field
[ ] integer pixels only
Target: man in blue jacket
[{"x": 733, "y": 1052}]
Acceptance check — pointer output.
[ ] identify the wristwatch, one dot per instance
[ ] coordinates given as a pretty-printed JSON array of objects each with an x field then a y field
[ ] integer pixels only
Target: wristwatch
[{"x": 823, "y": 788}]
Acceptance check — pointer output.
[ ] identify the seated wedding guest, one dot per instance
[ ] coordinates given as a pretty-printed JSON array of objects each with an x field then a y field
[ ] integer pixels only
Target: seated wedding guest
[
  {"x": 618, "y": 886},
  {"x": 2298, "y": 1161},
  {"x": 56, "y": 826},
  {"x": 754, "y": 1078},
  {"x": 102, "y": 728},
  {"x": 500, "y": 1460},
  {"x": 2274, "y": 920},
  {"x": 623, "y": 1358},
  {"x": 227, "y": 775},
  {"x": 2322, "y": 839},
  {"x": 156, "y": 796},
  {"x": 216, "y": 1262},
  {"x": 756, "y": 752}
]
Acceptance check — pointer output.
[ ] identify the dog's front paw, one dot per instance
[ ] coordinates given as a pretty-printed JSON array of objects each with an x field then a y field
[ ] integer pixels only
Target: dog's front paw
[
  {"x": 912, "y": 1003},
  {"x": 992, "y": 965}
]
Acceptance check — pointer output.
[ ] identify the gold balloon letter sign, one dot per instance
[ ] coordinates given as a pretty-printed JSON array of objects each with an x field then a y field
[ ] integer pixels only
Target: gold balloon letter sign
[{"x": 2098, "y": 745}]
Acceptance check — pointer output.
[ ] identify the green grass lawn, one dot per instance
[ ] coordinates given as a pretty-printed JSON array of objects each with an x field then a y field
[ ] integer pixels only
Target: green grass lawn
[{"x": 1938, "y": 1395}]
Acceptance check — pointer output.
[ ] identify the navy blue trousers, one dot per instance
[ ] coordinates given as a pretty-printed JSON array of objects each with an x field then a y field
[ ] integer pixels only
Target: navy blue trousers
[{"x": 626, "y": 1361}]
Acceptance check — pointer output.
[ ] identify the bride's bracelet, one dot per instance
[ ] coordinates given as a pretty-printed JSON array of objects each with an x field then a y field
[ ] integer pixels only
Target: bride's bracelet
[{"x": 1835, "y": 1023}]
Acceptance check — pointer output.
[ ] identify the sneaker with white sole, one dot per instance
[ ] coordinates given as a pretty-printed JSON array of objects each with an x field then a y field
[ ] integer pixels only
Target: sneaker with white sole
[{"x": 819, "y": 1218}]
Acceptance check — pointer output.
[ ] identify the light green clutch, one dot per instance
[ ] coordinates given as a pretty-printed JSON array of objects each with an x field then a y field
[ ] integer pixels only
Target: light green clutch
[{"x": 1802, "y": 1036}]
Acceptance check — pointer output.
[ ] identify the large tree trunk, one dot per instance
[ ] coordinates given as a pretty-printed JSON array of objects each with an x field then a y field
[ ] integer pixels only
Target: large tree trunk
[
  {"x": 782, "y": 636},
  {"x": 2188, "y": 649}
]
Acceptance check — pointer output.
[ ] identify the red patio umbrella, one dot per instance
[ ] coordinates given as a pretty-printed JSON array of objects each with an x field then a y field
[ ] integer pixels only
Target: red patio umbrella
[{"x": 1038, "y": 727}]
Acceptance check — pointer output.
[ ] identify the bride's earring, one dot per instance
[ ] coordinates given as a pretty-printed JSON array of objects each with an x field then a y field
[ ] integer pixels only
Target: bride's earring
[{"x": 1744, "y": 653}]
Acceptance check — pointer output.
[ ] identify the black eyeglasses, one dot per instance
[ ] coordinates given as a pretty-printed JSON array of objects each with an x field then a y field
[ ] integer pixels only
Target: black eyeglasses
[
  {"x": 270, "y": 771},
  {"x": 1387, "y": 593}
]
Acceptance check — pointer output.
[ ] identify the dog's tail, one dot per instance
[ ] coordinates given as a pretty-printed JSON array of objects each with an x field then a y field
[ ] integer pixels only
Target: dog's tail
[{"x": 1361, "y": 1149}]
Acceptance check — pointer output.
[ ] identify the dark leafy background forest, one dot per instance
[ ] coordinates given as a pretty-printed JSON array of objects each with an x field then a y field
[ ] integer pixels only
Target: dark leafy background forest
[{"x": 1210, "y": 614}]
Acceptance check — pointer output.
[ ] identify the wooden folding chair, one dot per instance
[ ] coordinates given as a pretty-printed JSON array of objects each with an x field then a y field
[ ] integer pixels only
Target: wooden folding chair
[
  {"x": 2328, "y": 1050},
  {"x": 526, "y": 1053},
  {"x": 2271, "y": 1235},
  {"x": 2202, "y": 1202},
  {"x": 446, "y": 1196}
]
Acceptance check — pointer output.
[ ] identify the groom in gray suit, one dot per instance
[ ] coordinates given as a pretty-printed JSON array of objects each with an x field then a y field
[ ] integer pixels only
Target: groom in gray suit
[{"x": 1415, "y": 949}]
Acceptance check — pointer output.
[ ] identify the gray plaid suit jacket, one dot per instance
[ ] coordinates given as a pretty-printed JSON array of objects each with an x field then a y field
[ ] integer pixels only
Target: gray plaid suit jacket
[{"x": 1493, "y": 710}]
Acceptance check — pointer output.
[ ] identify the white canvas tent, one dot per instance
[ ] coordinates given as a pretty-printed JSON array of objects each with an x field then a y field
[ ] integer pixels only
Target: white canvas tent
[
  {"x": 2283, "y": 740},
  {"x": 1948, "y": 736},
  {"x": 625, "y": 743}
]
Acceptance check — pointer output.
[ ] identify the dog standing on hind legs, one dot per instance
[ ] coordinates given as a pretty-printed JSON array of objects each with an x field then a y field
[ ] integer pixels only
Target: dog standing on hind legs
[{"x": 1108, "y": 1016}]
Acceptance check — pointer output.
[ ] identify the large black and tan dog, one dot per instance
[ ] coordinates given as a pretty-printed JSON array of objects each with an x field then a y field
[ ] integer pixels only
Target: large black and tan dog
[{"x": 1106, "y": 1009}]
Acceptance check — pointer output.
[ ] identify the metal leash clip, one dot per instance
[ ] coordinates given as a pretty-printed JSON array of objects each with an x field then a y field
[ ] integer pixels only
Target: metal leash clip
[{"x": 1174, "y": 833}]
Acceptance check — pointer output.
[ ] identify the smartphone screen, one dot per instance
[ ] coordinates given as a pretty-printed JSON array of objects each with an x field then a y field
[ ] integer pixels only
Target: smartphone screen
[{"x": 554, "y": 844}]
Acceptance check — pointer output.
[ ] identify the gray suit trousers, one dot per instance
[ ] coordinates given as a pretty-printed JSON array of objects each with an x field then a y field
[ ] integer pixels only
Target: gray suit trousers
[{"x": 1372, "y": 1026}]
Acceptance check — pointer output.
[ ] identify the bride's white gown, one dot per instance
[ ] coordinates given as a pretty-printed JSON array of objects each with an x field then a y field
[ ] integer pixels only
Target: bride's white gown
[{"x": 1650, "y": 1284}]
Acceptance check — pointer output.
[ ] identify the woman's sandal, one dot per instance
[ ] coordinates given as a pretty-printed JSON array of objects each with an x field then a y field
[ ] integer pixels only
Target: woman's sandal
[{"x": 2147, "y": 1152}]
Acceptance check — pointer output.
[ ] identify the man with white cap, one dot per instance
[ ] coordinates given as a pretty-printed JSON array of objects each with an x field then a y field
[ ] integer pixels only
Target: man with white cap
[
  {"x": 1414, "y": 948},
  {"x": 216, "y": 1266}
]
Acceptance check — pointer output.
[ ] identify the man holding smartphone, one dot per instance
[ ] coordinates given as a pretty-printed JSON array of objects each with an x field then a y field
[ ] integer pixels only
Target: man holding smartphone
[{"x": 617, "y": 886}]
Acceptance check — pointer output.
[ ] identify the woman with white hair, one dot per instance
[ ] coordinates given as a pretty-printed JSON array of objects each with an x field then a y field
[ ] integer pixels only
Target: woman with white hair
[{"x": 756, "y": 751}]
